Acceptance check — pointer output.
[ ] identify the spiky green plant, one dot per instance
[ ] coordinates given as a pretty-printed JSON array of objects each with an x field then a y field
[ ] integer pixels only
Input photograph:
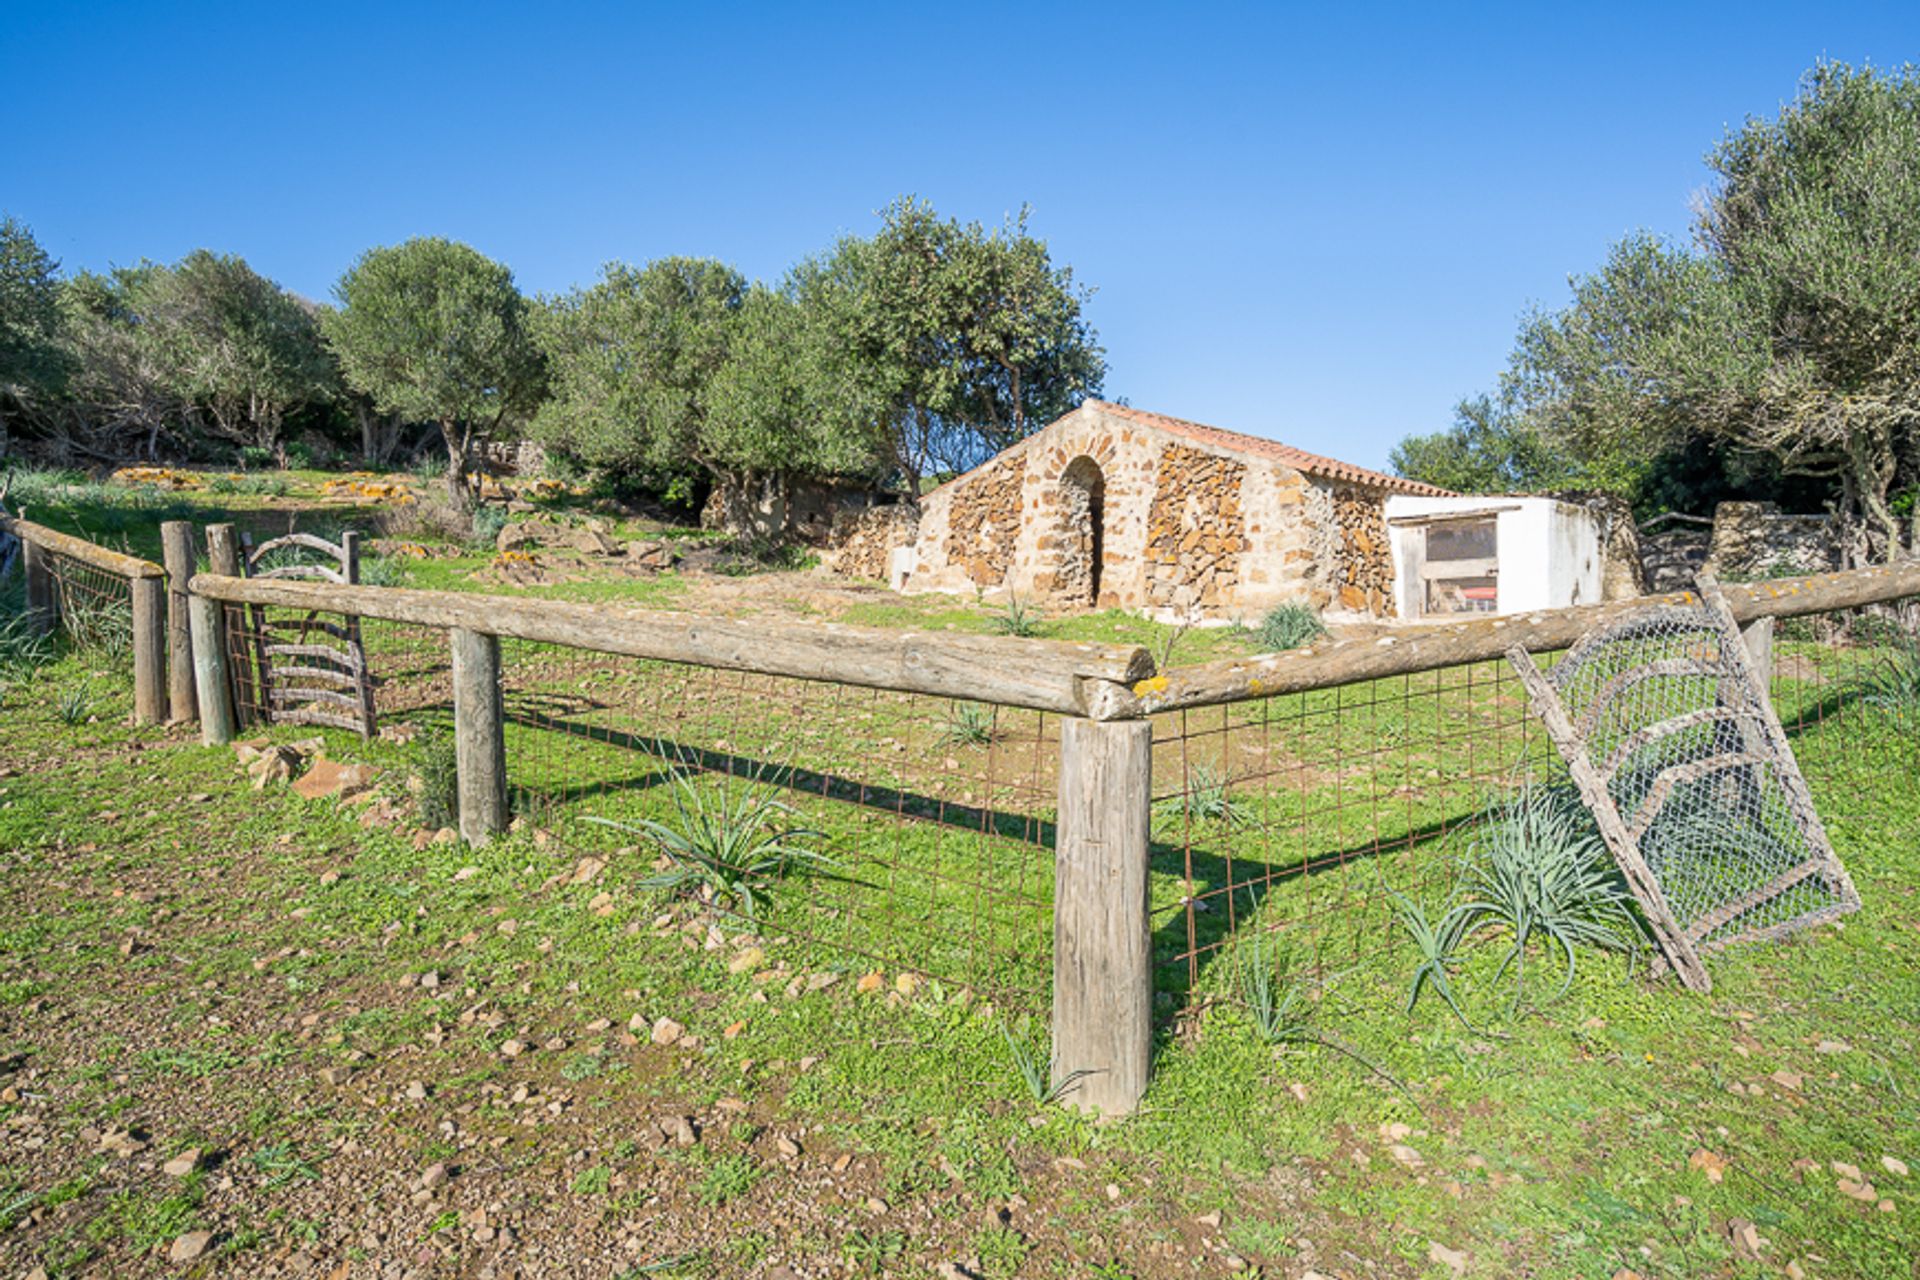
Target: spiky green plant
[
  {"x": 1019, "y": 618},
  {"x": 728, "y": 843},
  {"x": 970, "y": 725},
  {"x": 74, "y": 707},
  {"x": 99, "y": 625},
  {"x": 1205, "y": 799},
  {"x": 1894, "y": 684},
  {"x": 1538, "y": 868},
  {"x": 1281, "y": 1010},
  {"x": 1439, "y": 948},
  {"x": 1288, "y": 626},
  {"x": 1035, "y": 1071}
]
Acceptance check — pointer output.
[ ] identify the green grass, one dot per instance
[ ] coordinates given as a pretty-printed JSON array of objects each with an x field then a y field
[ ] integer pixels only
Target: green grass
[{"x": 1554, "y": 1141}]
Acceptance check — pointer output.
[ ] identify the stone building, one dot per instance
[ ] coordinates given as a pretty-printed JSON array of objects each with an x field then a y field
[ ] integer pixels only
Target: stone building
[{"x": 1111, "y": 507}]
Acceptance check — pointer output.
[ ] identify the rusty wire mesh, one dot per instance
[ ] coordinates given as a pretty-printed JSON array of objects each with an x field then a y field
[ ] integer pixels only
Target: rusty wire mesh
[
  {"x": 95, "y": 606},
  {"x": 1289, "y": 817}
]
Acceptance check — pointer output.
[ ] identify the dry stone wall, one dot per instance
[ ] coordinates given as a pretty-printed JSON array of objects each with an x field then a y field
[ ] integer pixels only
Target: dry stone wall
[
  {"x": 1363, "y": 567},
  {"x": 863, "y": 542},
  {"x": 983, "y": 521},
  {"x": 1758, "y": 540},
  {"x": 1195, "y": 530}
]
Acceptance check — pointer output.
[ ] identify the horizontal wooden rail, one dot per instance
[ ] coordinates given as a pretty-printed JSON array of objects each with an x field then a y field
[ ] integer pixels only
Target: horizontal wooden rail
[
  {"x": 62, "y": 544},
  {"x": 1431, "y": 646},
  {"x": 1046, "y": 675}
]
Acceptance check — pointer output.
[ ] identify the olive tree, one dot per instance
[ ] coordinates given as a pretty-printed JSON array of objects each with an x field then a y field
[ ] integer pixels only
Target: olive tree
[
  {"x": 33, "y": 366},
  {"x": 435, "y": 331}
]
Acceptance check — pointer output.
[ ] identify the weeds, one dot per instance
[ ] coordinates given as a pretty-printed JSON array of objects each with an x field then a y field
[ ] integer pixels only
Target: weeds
[
  {"x": 1282, "y": 1014},
  {"x": 728, "y": 1178},
  {"x": 728, "y": 844},
  {"x": 1288, "y": 626},
  {"x": 1018, "y": 619},
  {"x": 970, "y": 725},
  {"x": 1895, "y": 684},
  {"x": 99, "y": 625},
  {"x": 1002, "y": 1251},
  {"x": 74, "y": 707},
  {"x": 1036, "y": 1073},
  {"x": 438, "y": 798},
  {"x": 281, "y": 1164},
  {"x": 870, "y": 1255},
  {"x": 1205, "y": 800}
]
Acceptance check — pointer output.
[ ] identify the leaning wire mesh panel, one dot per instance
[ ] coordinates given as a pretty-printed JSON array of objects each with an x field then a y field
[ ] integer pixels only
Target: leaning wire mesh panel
[{"x": 845, "y": 827}]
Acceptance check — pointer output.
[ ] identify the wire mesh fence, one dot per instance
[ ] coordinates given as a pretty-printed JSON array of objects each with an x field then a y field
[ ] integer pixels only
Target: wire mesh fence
[{"x": 1292, "y": 818}]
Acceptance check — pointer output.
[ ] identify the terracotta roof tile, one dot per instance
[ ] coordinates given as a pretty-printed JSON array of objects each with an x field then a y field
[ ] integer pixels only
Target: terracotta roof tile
[{"x": 1299, "y": 459}]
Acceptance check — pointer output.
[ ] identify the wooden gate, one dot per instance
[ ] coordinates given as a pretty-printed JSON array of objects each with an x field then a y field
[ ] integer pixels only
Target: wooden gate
[{"x": 311, "y": 671}]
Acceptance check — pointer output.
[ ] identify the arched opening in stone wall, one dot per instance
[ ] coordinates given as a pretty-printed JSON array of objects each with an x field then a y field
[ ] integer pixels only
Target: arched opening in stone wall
[{"x": 1082, "y": 534}]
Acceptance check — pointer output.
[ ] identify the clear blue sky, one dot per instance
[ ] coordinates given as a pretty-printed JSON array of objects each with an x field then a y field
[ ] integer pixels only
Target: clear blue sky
[{"x": 1317, "y": 223}]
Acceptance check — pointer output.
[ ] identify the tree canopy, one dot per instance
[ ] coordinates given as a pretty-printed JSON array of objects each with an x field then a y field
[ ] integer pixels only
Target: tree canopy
[
  {"x": 437, "y": 332},
  {"x": 1783, "y": 345},
  {"x": 32, "y": 364}
]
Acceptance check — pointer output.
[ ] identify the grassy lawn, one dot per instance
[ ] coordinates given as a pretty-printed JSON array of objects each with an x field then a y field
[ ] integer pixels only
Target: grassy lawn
[{"x": 398, "y": 1053}]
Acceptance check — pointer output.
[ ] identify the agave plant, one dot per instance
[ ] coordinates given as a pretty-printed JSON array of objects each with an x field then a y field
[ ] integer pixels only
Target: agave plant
[
  {"x": 1539, "y": 869},
  {"x": 728, "y": 843},
  {"x": 970, "y": 725},
  {"x": 1439, "y": 946}
]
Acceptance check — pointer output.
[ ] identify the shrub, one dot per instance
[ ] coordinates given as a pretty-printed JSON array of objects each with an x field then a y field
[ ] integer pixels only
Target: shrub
[
  {"x": 1894, "y": 684},
  {"x": 1288, "y": 626},
  {"x": 438, "y": 798},
  {"x": 484, "y": 530}
]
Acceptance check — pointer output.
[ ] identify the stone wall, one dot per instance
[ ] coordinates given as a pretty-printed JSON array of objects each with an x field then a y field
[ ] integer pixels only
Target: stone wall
[
  {"x": 1195, "y": 531},
  {"x": 863, "y": 541},
  {"x": 983, "y": 521},
  {"x": 1758, "y": 540},
  {"x": 1363, "y": 563}
]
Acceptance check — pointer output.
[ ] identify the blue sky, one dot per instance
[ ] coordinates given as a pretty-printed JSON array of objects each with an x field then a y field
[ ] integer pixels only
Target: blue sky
[{"x": 1316, "y": 223}]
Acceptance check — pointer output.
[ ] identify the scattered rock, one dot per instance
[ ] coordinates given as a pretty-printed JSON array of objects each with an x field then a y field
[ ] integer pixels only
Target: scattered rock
[
  {"x": 434, "y": 1176},
  {"x": 871, "y": 982},
  {"x": 1896, "y": 1167},
  {"x": 1833, "y": 1046},
  {"x": 1452, "y": 1259},
  {"x": 666, "y": 1031},
  {"x": 183, "y": 1164},
  {"x": 1714, "y": 1166},
  {"x": 190, "y": 1246},
  {"x": 588, "y": 870},
  {"x": 329, "y": 778},
  {"x": 747, "y": 961},
  {"x": 787, "y": 1147}
]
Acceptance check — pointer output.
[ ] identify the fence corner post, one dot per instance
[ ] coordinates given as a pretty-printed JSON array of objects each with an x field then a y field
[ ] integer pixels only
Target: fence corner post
[
  {"x": 43, "y": 604},
  {"x": 1102, "y": 938},
  {"x": 480, "y": 749},
  {"x": 177, "y": 553},
  {"x": 149, "y": 649},
  {"x": 207, "y": 619}
]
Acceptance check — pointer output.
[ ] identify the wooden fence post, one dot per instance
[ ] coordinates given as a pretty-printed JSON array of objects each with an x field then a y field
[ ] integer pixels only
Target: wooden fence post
[
  {"x": 149, "y": 650},
  {"x": 223, "y": 557},
  {"x": 1759, "y": 637},
  {"x": 480, "y": 749},
  {"x": 207, "y": 619},
  {"x": 43, "y": 604},
  {"x": 176, "y": 541},
  {"x": 1102, "y": 939}
]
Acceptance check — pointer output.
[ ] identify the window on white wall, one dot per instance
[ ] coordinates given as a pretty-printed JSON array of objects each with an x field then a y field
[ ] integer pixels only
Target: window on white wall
[{"x": 1462, "y": 569}]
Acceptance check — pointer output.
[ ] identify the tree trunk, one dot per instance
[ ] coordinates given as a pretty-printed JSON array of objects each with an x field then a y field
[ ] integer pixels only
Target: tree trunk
[{"x": 458, "y": 493}]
